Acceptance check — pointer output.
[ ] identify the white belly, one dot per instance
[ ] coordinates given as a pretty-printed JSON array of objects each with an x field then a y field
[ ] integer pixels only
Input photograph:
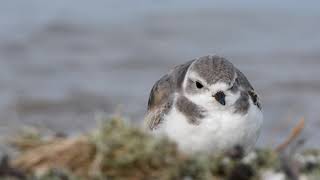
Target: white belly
[{"x": 217, "y": 132}]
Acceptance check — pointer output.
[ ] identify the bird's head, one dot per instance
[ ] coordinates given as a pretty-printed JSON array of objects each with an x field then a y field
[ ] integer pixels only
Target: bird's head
[{"x": 210, "y": 82}]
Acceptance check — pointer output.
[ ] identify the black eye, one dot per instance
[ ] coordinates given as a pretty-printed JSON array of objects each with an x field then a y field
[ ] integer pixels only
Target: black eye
[{"x": 199, "y": 85}]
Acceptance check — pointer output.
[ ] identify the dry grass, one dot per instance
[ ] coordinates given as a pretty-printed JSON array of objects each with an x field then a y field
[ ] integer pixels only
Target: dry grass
[
  {"x": 119, "y": 151},
  {"x": 75, "y": 155}
]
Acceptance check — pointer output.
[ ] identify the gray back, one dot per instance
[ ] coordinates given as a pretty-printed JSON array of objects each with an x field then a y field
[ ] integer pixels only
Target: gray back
[{"x": 170, "y": 83}]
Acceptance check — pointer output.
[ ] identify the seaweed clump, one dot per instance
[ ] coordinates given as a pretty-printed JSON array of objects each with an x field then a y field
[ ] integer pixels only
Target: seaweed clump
[{"x": 117, "y": 150}]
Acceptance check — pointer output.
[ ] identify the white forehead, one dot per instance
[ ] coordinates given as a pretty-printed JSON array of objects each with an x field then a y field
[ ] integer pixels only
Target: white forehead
[{"x": 218, "y": 86}]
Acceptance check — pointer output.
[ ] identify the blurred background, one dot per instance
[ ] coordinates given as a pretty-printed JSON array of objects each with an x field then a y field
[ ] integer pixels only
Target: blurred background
[{"x": 63, "y": 61}]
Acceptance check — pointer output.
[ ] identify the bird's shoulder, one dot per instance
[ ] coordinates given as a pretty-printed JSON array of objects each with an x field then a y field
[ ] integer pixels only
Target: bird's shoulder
[
  {"x": 162, "y": 94},
  {"x": 244, "y": 83}
]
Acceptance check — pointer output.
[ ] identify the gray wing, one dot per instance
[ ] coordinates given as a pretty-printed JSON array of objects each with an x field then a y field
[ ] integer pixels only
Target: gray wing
[
  {"x": 162, "y": 95},
  {"x": 245, "y": 85}
]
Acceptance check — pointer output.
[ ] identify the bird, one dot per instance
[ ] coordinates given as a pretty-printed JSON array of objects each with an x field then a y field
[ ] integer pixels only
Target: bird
[{"x": 205, "y": 105}]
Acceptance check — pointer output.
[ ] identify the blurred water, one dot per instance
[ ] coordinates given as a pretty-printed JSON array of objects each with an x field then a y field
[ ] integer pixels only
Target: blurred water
[{"x": 62, "y": 61}]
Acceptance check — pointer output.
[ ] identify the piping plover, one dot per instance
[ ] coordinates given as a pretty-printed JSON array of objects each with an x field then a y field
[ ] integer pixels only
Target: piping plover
[{"x": 205, "y": 105}]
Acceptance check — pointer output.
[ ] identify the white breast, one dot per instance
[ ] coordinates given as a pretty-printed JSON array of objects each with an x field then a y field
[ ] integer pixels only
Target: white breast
[{"x": 217, "y": 132}]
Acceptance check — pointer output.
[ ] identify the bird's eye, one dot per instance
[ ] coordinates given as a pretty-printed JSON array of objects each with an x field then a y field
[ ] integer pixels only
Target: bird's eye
[{"x": 199, "y": 85}]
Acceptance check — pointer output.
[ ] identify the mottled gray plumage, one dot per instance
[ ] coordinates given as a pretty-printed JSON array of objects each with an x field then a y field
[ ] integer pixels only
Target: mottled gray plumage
[
  {"x": 170, "y": 83},
  {"x": 242, "y": 104},
  {"x": 211, "y": 68},
  {"x": 246, "y": 90},
  {"x": 214, "y": 69},
  {"x": 161, "y": 95},
  {"x": 191, "y": 110}
]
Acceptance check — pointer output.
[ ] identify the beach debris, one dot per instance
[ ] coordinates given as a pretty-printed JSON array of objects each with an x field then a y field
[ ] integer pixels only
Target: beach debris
[{"x": 118, "y": 150}]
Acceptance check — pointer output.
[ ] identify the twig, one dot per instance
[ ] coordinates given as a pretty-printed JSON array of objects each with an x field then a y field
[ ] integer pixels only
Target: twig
[
  {"x": 296, "y": 131},
  {"x": 288, "y": 164}
]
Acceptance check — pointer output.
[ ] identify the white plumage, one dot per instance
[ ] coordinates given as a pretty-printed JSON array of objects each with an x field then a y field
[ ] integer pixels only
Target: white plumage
[{"x": 215, "y": 133}]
